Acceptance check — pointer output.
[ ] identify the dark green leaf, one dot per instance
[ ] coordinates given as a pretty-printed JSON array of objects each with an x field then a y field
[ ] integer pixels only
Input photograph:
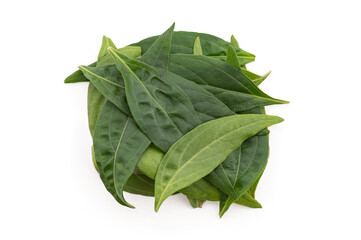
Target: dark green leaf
[
  {"x": 158, "y": 53},
  {"x": 183, "y": 42},
  {"x": 227, "y": 83},
  {"x": 195, "y": 203},
  {"x": 140, "y": 184},
  {"x": 161, "y": 109},
  {"x": 118, "y": 145}
]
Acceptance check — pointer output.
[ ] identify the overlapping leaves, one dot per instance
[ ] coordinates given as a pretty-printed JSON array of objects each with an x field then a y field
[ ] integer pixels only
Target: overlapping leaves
[{"x": 175, "y": 113}]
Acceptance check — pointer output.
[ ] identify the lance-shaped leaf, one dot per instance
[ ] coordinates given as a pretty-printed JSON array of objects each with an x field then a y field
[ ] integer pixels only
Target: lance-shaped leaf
[
  {"x": 205, "y": 104},
  {"x": 161, "y": 109},
  {"x": 118, "y": 145},
  {"x": 183, "y": 42},
  {"x": 239, "y": 173},
  {"x": 231, "y": 58},
  {"x": 201, "y": 190},
  {"x": 109, "y": 83},
  {"x": 201, "y": 150},
  {"x": 243, "y": 171},
  {"x": 138, "y": 183},
  {"x": 96, "y": 100},
  {"x": 227, "y": 83},
  {"x": 78, "y": 76},
  {"x": 158, "y": 53},
  {"x": 256, "y": 79},
  {"x": 197, "y": 49},
  {"x": 234, "y": 42}
]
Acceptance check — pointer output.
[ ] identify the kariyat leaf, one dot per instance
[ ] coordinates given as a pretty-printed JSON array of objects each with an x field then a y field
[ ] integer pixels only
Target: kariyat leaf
[
  {"x": 201, "y": 189},
  {"x": 109, "y": 83},
  {"x": 158, "y": 53},
  {"x": 196, "y": 203},
  {"x": 234, "y": 42},
  {"x": 206, "y": 104},
  {"x": 187, "y": 162},
  {"x": 197, "y": 49},
  {"x": 227, "y": 83},
  {"x": 231, "y": 58},
  {"x": 161, "y": 109},
  {"x": 138, "y": 183},
  {"x": 183, "y": 42},
  {"x": 256, "y": 79},
  {"x": 118, "y": 145},
  {"x": 78, "y": 76}
]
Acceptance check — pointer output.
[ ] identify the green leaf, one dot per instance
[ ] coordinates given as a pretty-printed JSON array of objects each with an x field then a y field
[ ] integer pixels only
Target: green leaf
[
  {"x": 231, "y": 58},
  {"x": 149, "y": 162},
  {"x": 183, "y": 42},
  {"x": 256, "y": 79},
  {"x": 109, "y": 83},
  {"x": 158, "y": 53},
  {"x": 245, "y": 200},
  {"x": 205, "y": 104},
  {"x": 118, "y": 145},
  {"x": 96, "y": 103},
  {"x": 197, "y": 49},
  {"x": 234, "y": 42},
  {"x": 187, "y": 162},
  {"x": 227, "y": 83},
  {"x": 196, "y": 203},
  {"x": 248, "y": 201},
  {"x": 140, "y": 184},
  {"x": 78, "y": 76},
  {"x": 161, "y": 109},
  {"x": 252, "y": 190}
]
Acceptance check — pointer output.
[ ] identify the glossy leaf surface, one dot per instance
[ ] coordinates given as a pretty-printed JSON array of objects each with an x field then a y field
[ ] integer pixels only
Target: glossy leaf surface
[{"x": 187, "y": 162}]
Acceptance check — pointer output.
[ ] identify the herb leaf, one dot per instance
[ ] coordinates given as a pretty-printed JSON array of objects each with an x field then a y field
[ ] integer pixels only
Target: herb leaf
[
  {"x": 186, "y": 162},
  {"x": 118, "y": 145}
]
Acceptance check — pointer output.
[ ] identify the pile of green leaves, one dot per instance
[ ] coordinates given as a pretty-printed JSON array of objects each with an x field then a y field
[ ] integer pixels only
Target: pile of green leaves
[{"x": 178, "y": 113}]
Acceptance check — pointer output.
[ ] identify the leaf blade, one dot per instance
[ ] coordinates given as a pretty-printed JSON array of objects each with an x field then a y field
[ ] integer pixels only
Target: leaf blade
[{"x": 233, "y": 129}]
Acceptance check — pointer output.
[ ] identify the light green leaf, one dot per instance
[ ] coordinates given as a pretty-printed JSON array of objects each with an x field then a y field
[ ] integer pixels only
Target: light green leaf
[
  {"x": 202, "y": 190},
  {"x": 201, "y": 150},
  {"x": 231, "y": 58},
  {"x": 78, "y": 76},
  {"x": 197, "y": 49},
  {"x": 256, "y": 79},
  {"x": 234, "y": 42}
]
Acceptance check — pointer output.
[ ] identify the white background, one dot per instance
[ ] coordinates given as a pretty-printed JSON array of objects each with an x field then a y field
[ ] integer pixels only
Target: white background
[{"x": 311, "y": 187}]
